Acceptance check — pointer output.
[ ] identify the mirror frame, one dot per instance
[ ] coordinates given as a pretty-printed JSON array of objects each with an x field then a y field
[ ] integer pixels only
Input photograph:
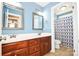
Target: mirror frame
[
  {"x": 33, "y": 21},
  {"x": 3, "y": 17}
]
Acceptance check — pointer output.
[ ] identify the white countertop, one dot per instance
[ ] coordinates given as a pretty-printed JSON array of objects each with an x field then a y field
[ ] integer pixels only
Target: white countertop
[{"x": 20, "y": 37}]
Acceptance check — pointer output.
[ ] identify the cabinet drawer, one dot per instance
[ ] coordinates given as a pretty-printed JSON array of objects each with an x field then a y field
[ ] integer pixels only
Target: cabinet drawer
[
  {"x": 34, "y": 42},
  {"x": 8, "y": 47},
  {"x": 9, "y": 54},
  {"x": 34, "y": 49},
  {"x": 36, "y": 54},
  {"x": 21, "y": 52},
  {"x": 22, "y": 44}
]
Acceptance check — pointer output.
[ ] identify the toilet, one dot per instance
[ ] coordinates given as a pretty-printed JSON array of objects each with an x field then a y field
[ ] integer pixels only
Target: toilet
[{"x": 57, "y": 44}]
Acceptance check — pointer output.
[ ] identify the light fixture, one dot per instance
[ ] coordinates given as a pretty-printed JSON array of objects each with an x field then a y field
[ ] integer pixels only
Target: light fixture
[{"x": 63, "y": 7}]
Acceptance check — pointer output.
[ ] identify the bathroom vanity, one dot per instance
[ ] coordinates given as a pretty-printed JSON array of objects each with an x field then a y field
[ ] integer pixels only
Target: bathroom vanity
[{"x": 36, "y": 45}]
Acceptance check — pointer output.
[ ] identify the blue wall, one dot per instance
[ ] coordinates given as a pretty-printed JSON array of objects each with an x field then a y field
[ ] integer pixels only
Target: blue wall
[
  {"x": 30, "y": 7},
  {"x": 47, "y": 11}
]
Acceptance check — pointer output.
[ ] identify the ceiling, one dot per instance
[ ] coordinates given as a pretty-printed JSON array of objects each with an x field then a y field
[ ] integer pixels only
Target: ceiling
[{"x": 42, "y": 3}]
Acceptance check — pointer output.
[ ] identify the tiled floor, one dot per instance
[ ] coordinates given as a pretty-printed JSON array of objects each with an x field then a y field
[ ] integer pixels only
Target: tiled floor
[{"x": 61, "y": 52}]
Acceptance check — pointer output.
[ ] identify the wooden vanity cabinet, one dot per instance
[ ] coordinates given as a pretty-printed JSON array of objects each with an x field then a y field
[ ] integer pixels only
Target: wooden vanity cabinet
[
  {"x": 33, "y": 47},
  {"x": 7, "y": 48},
  {"x": 15, "y": 49},
  {"x": 22, "y": 48}
]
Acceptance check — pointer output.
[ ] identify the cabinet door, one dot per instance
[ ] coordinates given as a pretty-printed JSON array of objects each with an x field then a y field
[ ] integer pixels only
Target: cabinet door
[
  {"x": 34, "y": 49},
  {"x": 49, "y": 43},
  {"x": 8, "y": 47},
  {"x": 42, "y": 48},
  {"x": 45, "y": 45},
  {"x": 9, "y": 54},
  {"x": 22, "y": 52}
]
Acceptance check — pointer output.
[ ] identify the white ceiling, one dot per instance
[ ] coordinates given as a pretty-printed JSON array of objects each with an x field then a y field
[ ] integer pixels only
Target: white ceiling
[{"x": 42, "y": 3}]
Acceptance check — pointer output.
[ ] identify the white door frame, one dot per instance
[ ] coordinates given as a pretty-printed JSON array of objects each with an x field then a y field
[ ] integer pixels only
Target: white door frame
[
  {"x": 75, "y": 27},
  {"x": 52, "y": 26}
]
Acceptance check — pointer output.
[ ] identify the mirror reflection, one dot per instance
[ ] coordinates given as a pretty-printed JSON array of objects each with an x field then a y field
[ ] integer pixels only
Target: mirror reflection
[{"x": 37, "y": 21}]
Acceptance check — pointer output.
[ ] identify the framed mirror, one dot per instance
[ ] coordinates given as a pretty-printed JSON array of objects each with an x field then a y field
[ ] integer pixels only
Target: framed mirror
[
  {"x": 13, "y": 17},
  {"x": 37, "y": 21}
]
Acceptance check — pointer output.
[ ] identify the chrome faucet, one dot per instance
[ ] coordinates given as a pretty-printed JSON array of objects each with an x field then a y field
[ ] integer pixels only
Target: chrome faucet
[
  {"x": 2, "y": 38},
  {"x": 12, "y": 36},
  {"x": 39, "y": 33}
]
